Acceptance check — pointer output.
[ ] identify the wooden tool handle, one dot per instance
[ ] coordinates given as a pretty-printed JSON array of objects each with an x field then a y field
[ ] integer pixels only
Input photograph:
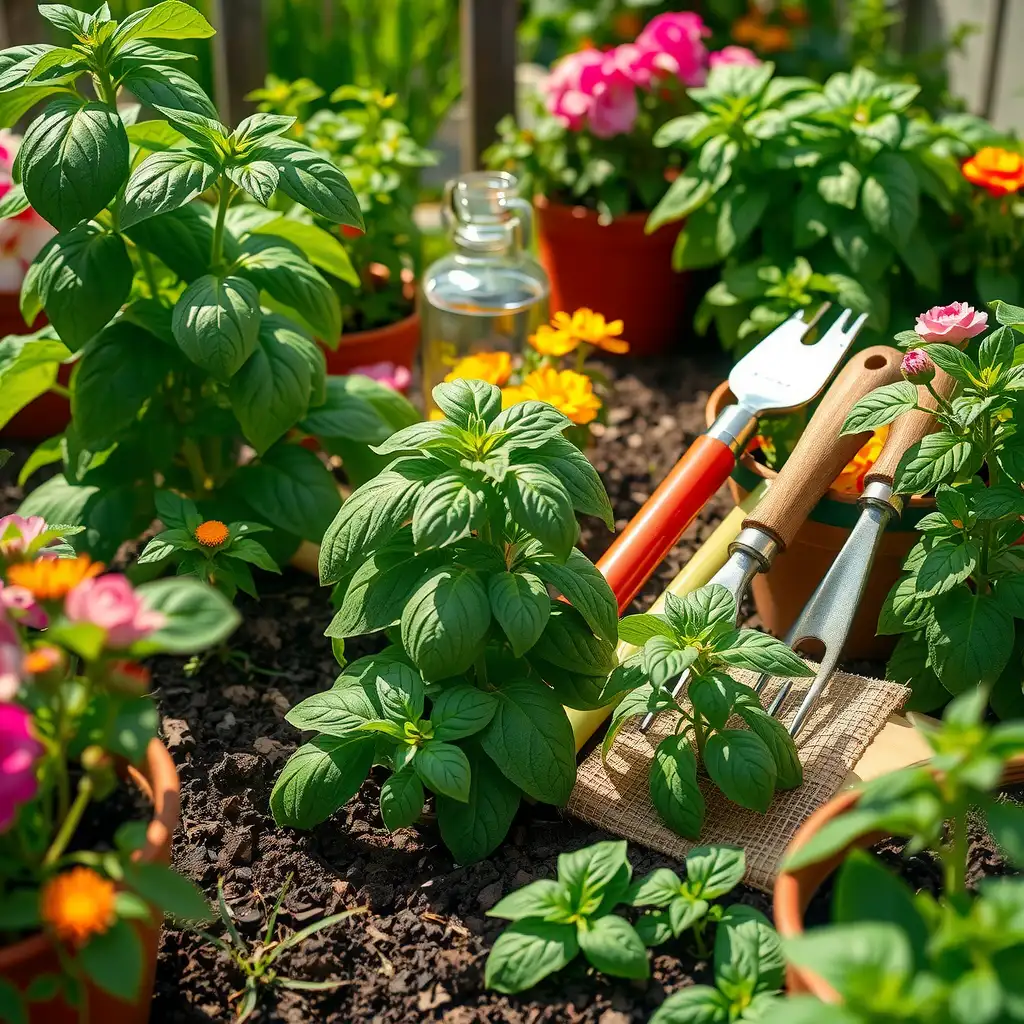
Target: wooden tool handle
[
  {"x": 910, "y": 428},
  {"x": 821, "y": 453}
]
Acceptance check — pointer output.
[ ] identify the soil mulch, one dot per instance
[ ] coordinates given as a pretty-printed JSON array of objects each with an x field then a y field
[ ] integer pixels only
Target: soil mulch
[{"x": 417, "y": 950}]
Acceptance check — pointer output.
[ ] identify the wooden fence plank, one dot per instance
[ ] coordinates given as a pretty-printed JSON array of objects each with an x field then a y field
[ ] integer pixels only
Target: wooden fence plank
[
  {"x": 19, "y": 23},
  {"x": 239, "y": 55}
]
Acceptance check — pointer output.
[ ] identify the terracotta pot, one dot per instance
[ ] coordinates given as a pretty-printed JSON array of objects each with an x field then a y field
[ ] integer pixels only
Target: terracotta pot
[
  {"x": 781, "y": 594},
  {"x": 48, "y": 414},
  {"x": 615, "y": 269},
  {"x": 20, "y": 963},
  {"x": 795, "y": 889},
  {"x": 397, "y": 343}
]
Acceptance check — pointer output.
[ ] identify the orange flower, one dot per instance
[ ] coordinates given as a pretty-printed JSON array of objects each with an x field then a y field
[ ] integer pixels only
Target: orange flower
[
  {"x": 568, "y": 391},
  {"x": 211, "y": 534},
  {"x": 773, "y": 39},
  {"x": 49, "y": 579},
  {"x": 42, "y": 660},
  {"x": 747, "y": 29},
  {"x": 493, "y": 367},
  {"x": 851, "y": 480},
  {"x": 78, "y": 904},
  {"x": 584, "y": 327},
  {"x": 999, "y": 171}
]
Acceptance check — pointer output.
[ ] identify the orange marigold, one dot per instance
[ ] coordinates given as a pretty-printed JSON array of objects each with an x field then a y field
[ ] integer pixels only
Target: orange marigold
[
  {"x": 493, "y": 367},
  {"x": 584, "y": 327},
  {"x": 851, "y": 480},
  {"x": 42, "y": 660},
  {"x": 1000, "y": 171},
  {"x": 568, "y": 391},
  {"x": 78, "y": 904},
  {"x": 211, "y": 533},
  {"x": 49, "y": 579}
]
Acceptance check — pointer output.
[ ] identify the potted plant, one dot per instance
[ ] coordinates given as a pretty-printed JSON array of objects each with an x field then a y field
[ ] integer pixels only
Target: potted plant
[
  {"x": 891, "y": 953},
  {"x": 591, "y": 163},
  {"x": 79, "y": 924},
  {"x": 377, "y": 154},
  {"x": 187, "y": 306}
]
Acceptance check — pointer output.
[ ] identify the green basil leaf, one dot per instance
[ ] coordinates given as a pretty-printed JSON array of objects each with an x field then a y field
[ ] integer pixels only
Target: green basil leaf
[
  {"x": 259, "y": 179},
  {"x": 358, "y": 409},
  {"x": 449, "y": 507},
  {"x": 693, "y": 614},
  {"x": 776, "y": 738},
  {"x": 195, "y": 616},
  {"x": 113, "y": 960},
  {"x": 970, "y": 639},
  {"x": 586, "y": 589},
  {"x": 664, "y": 660},
  {"x": 322, "y": 249},
  {"x": 890, "y": 196},
  {"x": 16, "y": 62},
  {"x": 839, "y": 184},
  {"x": 165, "y": 87},
  {"x": 73, "y": 141},
  {"x": 545, "y": 899},
  {"x": 521, "y": 606},
  {"x": 460, "y": 400},
  {"x": 460, "y": 711},
  {"x": 587, "y": 873},
  {"x": 674, "y": 790},
  {"x": 612, "y": 945},
  {"x": 654, "y": 928},
  {"x": 13, "y": 202},
  {"x": 577, "y": 475},
  {"x": 748, "y": 953},
  {"x": 684, "y": 912},
  {"x": 685, "y": 195},
  {"x": 638, "y": 629},
  {"x": 881, "y": 406},
  {"x": 712, "y": 695},
  {"x": 658, "y": 889},
  {"x": 712, "y": 871},
  {"x": 760, "y": 652},
  {"x": 444, "y": 768},
  {"x": 401, "y": 799},
  {"x": 997, "y": 501},
  {"x": 528, "y": 425},
  {"x": 163, "y": 182},
  {"x": 183, "y": 239},
  {"x": 528, "y": 951},
  {"x": 641, "y": 701},
  {"x": 945, "y": 567},
  {"x": 216, "y": 323},
  {"x": 951, "y": 360},
  {"x": 430, "y": 434},
  {"x": 541, "y": 505},
  {"x": 171, "y": 19},
  {"x": 742, "y": 767},
  {"x": 1006, "y": 826},
  {"x": 698, "y": 1004},
  {"x": 568, "y": 643},
  {"x": 935, "y": 459}
]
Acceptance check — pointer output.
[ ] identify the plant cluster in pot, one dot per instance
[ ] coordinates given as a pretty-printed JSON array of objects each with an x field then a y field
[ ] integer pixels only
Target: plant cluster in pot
[
  {"x": 592, "y": 165},
  {"x": 83, "y": 885},
  {"x": 381, "y": 159}
]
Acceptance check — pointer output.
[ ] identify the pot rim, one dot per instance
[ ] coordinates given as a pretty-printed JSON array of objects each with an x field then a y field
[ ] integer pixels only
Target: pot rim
[
  {"x": 157, "y": 779},
  {"x": 720, "y": 398},
  {"x": 577, "y": 211},
  {"x": 387, "y": 331},
  {"x": 794, "y": 890}
]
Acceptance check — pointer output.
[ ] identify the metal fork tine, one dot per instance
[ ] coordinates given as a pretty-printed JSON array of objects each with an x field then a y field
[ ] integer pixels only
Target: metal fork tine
[{"x": 818, "y": 314}]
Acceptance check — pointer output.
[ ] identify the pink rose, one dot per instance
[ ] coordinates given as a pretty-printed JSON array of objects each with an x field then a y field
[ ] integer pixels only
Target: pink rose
[
  {"x": 588, "y": 89},
  {"x": 19, "y": 750},
  {"x": 954, "y": 323},
  {"x": 734, "y": 55},
  {"x": 11, "y": 657},
  {"x": 16, "y": 533},
  {"x": 394, "y": 376},
  {"x": 110, "y": 603},
  {"x": 678, "y": 40},
  {"x": 917, "y": 367},
  {"x": 21, "y": 605}
]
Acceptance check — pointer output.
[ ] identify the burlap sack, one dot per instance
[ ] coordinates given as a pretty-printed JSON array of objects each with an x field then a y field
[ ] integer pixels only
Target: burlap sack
[{"x": 616, "y": 795}]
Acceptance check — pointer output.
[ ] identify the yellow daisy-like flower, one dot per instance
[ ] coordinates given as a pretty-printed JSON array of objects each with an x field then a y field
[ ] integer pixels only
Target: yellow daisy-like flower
[
  {"x": 550, "y": 342},
  {"x": 77, "y": 905},
  {"x": 211, "y": 534},
  {"x": 493, "y": 367},
  {"x": 570, "y": 392},
  {"x": 585, "y": 327},
  {"x": 49, "y": 579}
]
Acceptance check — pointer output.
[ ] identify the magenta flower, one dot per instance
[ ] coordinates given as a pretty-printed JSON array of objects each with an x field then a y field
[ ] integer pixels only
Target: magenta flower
[
  {"x": 110, "y": 603},
  {"x": 394, "y": 376},
  {"x": 19, "y": 750},
  {"x": 917, "y": 367},
  {"x": 733, "y": 55},
  {"x": 955, "y": 323},
  {"x": 588, "y": 89},
  {"x": 16, "y": 533},
  {"x": 677, "y": 39},
  {"x": 21, "y": 605}
]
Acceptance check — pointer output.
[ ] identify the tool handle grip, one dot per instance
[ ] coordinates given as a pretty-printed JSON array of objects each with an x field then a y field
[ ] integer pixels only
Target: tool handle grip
[
  {"x": 910, "y": 428},
  {"x": 821, "y": 453},
  {"x": 657, "y": 527}
]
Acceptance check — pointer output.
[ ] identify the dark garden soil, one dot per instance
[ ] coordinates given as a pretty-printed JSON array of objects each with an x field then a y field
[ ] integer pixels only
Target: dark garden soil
[{"x": 417, "y": 952}]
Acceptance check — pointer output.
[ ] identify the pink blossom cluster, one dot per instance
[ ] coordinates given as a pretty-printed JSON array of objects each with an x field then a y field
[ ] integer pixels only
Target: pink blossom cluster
[
  {"x": 22, "y": 236},
  {"x": 955, "y": 324},
  {"x": 394, "y": 376},
  {"x": 597, "y": 90}
]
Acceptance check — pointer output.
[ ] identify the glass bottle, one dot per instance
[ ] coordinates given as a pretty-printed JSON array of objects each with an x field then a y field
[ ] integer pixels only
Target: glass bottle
[{"x": 489, "y": 294}]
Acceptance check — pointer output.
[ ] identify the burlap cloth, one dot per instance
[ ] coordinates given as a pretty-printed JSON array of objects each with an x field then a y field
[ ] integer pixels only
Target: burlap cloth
[{"x": 616, "y": 795}]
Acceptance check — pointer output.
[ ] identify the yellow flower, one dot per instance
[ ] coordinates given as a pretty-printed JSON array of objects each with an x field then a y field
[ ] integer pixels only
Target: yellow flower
[
  {"x": 493, "y": 367},
  {"x": 570, "y": 392},
  {"x": 77, "y": 905},
  {"x": 586, "y": 327},
  {"x": 211, "y": 534},
  {"x": 49, "y": 579},
  {"x": 851, "y": 480},
  {"x": 435, "y": 414},
  {"x": 549, "y": 342}
]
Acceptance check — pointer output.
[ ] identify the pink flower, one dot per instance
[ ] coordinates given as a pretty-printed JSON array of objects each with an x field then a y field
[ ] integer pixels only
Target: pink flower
[
  {"x": 21, "y": 605},
  {"x": 677, "y": 39},
  {"x": 394, "y": 376},
  {"x": 19, "y": 750},
  {"x": 11, "y": 657},
  {"x": 588, "y": 89},
  {"x": 21, "y": 237},
  {"x": 734, "y": 55},
  {"x": 954, "y": 323},
  {"x": 110, "y": 603},
  {"x": 16, "y": 533},
  {"x": 917, "y": 367}
]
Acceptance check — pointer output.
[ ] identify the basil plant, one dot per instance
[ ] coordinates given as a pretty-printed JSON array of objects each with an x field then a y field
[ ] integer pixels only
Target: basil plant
[
  {"x": 453, "y": 552},
  {"x": 186, "y": 305},
  {"x": 697, "y": 634}
]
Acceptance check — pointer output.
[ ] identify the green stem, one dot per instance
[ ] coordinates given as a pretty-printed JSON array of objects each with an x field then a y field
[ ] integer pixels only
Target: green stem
[
  {"x": 194, "y": 460},
  {"x": 147, "y": 269},
  {"x": 698, "y": 938},
  {"x": 941, "y": 404},
  {"x": 70, "y": 823},
  {"x": 698, "y": 734},
  {"x": 217, "y": 247},
  {"x": 955, "y": 854},
  {"x": 59, "y": 389}
]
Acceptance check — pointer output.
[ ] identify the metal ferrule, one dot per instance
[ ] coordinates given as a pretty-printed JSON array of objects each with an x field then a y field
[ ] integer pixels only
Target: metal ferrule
[
  {"x": 735, "y": 426},
  {"x": 761, "y": 545},
  {"x": 879, "y": 494}
]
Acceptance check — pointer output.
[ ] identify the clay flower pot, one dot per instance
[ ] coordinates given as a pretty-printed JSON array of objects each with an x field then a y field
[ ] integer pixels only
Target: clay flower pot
[
  {"x": 794, "y": 890},
  {"x": 397, "y": 343},
  {"x": 28, "y": 959},
  {"x": 781, "y": 594},
  {"x": 48, "y": 414},
  {"x": 615, "y": 269}
]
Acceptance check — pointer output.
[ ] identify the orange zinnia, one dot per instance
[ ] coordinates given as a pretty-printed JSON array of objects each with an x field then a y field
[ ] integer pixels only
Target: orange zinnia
[
  {"x": 999, "y": 171},
  {"x": 493, "y": 367},
  {"x": 49, "y": 579},
  {"x": 211, "y": 534},
  {"x": 570, "y": 392},
  {"x": 77, "y": 905}
]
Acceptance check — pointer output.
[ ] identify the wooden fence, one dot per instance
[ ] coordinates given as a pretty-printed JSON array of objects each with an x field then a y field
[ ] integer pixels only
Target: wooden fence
[{"x": 989, "y": 74}]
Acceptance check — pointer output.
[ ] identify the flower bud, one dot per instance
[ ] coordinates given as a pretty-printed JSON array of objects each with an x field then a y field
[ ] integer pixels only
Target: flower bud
[
  {"x": 917, "y": 367},
  {"x": 99, "y": 766}
]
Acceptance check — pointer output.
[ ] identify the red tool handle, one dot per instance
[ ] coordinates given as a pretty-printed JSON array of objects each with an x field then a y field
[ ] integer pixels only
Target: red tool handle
[{"x": 655, "y": 530}]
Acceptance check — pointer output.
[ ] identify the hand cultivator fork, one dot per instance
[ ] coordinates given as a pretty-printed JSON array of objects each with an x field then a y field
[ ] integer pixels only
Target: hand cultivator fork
[
  {"x": 818, "y": 458},
  {"x": 829, "y": 613},
  {"x": 781, "y": 374}
]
